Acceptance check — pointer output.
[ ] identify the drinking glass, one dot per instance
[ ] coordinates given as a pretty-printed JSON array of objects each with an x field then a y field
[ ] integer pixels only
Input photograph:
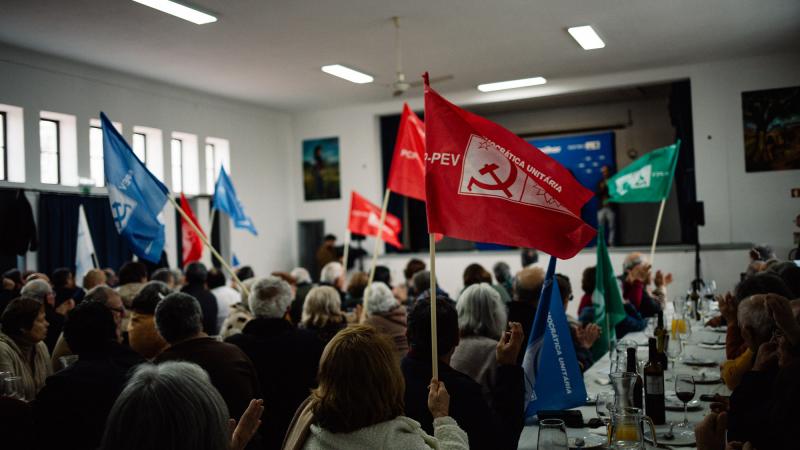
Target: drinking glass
[
  {"x": 552, "y": 435},
  {"x": 674, "y": 349},
  {"x": 12, "y": 387},
  {"x": 684, "y": 389},
  {"x": 604, "y": 405}
]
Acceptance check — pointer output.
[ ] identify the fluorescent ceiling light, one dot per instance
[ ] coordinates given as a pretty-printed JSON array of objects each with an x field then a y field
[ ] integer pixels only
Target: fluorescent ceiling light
[
  {"x": 179, "y": 10},
  {"x": 586, "y": 37},
  {"x": 512, "y": 84},
  {"x": 347, "y": 73}
]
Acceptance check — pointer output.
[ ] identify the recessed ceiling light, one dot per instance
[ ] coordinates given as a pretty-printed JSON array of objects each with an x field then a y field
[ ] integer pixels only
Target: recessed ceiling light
[
  {"x": 512, "y": 84},
  {"x": 179, "y": 10},
  {"x": 586, "y": 37},
  {"x": 347, "y": 73}
]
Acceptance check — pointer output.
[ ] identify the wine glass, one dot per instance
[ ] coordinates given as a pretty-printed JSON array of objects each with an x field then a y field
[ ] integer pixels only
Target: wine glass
[
  {"x": 552, "y": 435},
  {"x": 12, "y": 387},
  {"x": 684, "y": 389},
  {"x": 674, "y": 349}
]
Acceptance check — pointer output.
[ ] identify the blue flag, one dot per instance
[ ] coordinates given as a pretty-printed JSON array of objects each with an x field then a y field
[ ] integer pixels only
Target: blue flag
[
  {"x": 234, "y": 261},
  {"x": 553, "y": 379},
  {"x": 226, "y": 201},
  {"x": 135, "y": 195}
]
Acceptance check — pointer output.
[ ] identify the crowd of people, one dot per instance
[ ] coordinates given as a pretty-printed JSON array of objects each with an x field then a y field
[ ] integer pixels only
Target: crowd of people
[{"x": 189, "y": 360}]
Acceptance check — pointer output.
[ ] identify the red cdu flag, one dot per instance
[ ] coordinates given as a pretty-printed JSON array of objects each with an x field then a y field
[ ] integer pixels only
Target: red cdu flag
[
  {"x": 486, "y": 184},
  {"x": 407, "y": 174},
  {"x": 191, "y": 243},
  {"x": 365, "y": 219}
]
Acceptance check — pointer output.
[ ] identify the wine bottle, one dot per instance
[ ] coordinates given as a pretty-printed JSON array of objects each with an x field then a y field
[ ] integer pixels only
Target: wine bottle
[
  {"x": 660, "y": 333},
  {"x": 639, "y": 385},
  {"x": 654, "y": 386}
]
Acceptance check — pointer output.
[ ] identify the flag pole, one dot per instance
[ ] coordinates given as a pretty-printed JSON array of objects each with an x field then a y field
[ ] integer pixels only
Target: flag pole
[
  {"x": 378, "y": 240},
  {"x": 207, "y": 243},
  {"x": 658, "y": 226},
  {"x": 346, "y": 251},
  {"x": 434, "y": 340},
  {"x": 211, "y": 223},
  {"x": 95, "y": 263}
]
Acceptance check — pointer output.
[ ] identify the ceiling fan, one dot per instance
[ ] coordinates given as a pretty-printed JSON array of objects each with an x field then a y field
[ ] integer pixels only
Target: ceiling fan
[{"x": 401, "y": 85}]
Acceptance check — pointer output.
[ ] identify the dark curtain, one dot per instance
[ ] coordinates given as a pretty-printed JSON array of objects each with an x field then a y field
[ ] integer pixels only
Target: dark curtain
[
  {"x": 680, "y": 111},
  {"x": 58, "y": 231}
]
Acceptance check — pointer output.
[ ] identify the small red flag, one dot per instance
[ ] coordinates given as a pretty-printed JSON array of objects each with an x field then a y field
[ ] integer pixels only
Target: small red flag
[
  {"x": 486, "y": 184},
  {"x": 365, "y": 219},
  {"x": 191, "y": 244},
  {"x": 407, "y": 174}
]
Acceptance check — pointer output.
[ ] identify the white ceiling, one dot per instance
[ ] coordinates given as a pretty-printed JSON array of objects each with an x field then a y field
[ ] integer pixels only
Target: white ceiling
[{"x": 270, "y": 52}]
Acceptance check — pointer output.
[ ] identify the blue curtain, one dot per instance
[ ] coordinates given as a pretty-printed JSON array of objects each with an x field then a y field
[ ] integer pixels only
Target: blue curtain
[{"x": 58, "y": 231}]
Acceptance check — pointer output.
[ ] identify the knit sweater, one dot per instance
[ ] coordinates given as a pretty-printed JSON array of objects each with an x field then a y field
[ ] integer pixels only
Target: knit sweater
[
  {"x": 14, "y": 358},
  {"x": 401, "y": 433}
]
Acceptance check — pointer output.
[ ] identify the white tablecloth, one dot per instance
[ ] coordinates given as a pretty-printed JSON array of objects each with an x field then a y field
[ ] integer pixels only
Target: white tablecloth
[{"x": 600, "y": 369}]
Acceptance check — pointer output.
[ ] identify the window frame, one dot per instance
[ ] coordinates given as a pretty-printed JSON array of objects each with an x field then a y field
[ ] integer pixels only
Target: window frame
[
  {"x": 58, "y": 149},
  {"x": 144, "y": 143},
  {"x": 179, "y": 168}
]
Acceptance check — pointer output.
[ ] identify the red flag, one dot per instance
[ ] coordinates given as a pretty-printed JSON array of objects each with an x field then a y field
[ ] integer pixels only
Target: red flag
[
  {"x": 365, "y": 219},
  {"x": 407, "y": 173},
  {"x": 192, "y": 245},
  {"x": 486, "y": 184}
]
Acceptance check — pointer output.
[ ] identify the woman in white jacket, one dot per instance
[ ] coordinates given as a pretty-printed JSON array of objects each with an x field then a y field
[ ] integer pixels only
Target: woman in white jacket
[{"x": 359, "y": 402}]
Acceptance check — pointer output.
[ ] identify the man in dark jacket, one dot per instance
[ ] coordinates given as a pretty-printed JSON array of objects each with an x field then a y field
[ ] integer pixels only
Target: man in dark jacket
[
  {"x": 72, "y": 407},
  {"x": 196, "y": 275},
  {"x": 495, "y": 426},
  {"x": 179, "y": 321},
  {"x": 527, "y": 289},
  {"x": 285, "y": 358}
]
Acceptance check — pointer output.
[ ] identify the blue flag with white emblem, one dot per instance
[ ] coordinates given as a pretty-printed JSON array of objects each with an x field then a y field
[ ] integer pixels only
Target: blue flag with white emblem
[
  {"x": 135, "y": 195},
  {"x": 553, "y": 379},
  {"x": 226, "y": 201}
]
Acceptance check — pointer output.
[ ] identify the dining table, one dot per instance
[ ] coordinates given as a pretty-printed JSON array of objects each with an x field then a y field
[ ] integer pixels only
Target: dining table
[{"x": 703, "y": 352}]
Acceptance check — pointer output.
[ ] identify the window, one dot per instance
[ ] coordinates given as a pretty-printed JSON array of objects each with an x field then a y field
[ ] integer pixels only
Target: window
[
  {"x": 49, "y": 142},
  {"x": 185, "y": 163},
  {"x": 217, "y": 156},
  {"x": 58, "y": 141},
  {"x": 176, "y": 149},
  {"x": 96, "y": 165},
  {"x": 140, "y": 146},
  {"x": 3, "y": 145}
]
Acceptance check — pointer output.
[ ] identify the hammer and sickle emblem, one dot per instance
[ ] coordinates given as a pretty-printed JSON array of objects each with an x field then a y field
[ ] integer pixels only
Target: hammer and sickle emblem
[
  {"x": 499, "y": 185},
  {"x": 120, "y": 211}
]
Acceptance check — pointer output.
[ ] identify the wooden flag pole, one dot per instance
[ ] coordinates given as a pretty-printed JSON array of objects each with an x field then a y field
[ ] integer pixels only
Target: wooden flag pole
[
  {"x": 655, "y": 234},
  {"x": 378, "y": 240},
  {"x": 434, "y": 340},
  {"x": 208, "y": 244},
  {"x": 211, "y": 224}
]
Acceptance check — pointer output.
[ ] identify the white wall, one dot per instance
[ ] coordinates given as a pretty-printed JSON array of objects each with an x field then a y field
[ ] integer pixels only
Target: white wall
[
  {"x": 739, "y": 207},
  {"x": 258, "y": 138}
]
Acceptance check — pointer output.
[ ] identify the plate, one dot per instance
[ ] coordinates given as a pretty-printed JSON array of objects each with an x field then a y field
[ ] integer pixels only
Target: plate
[
  {"x": 692, "y": 361},
  {"x": 673, "y": 403},
  {"x": 682, "y": 437},
  {"x": 589, "y": 440},
  {"x": 708, "y": 376},
  {"x": 711, "y": 346}
]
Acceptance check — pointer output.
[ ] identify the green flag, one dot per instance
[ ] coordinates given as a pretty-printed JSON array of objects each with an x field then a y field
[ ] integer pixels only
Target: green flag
[
  {"x": 606, "y": 299},
  {"x": 648, "y": 179}
]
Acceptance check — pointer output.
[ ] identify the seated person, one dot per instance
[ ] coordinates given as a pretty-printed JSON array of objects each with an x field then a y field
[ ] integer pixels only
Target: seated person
[
  {"x": 636, "y": 278},
  {"x": 527, "y": 288},
  {"x": 495, "y": 426},
  {"x": 583, "y": 336}
]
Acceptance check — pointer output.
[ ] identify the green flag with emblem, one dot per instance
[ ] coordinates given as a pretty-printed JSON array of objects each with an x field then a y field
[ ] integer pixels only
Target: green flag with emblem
[
  {"x": 606, "y": 299},
  {"x": 648, "y": 179}
]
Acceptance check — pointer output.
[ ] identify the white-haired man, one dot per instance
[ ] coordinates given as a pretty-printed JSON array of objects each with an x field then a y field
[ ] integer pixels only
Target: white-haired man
[
  {"x": 285, "y": 357},
  {"x": 56, "y": 315},
  {"x": 333, "y": 275},
  {"x": 304, "y": 284}
]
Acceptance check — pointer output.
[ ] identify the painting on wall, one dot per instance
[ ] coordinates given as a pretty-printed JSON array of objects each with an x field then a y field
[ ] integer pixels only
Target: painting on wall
[
  {"x": 321, "y": 174},
  {"x": 771, "y": 129}
]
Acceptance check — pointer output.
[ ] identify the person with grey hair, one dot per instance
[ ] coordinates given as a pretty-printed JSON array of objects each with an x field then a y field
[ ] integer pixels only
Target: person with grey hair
[
  {"x": 166, "y": 276},
  {"x": 421, "y": 282},
  {"x": 41, "y": 290},
  {"x": 333, "y": 275},
  {"x": 388, "y": 316},
  {"x": 179, "y": 320},
  {"x": 304, "y": 284},
  {"x": 481, "y": 322},
  {"x": 174, "y": 406},
  {"x": 286, "y": 358},
  {"x": 322, "y": 313},
  {"x": 99, "y": 294}
]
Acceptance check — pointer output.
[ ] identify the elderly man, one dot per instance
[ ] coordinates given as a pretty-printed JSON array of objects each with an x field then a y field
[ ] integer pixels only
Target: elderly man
[
  {"x": 304, "y": 285},
  {"x": 179, "y": 320},
  {"x": 636, "y": 277},
  {"x": 522, "y": 309},
  {"x": 333, "y": 275},
  {"x": 93, "y": 278},
  {"x": 285, "y": 358},
  {"x": 42, "y": 291},
  {"x": 105, "y": 296}
]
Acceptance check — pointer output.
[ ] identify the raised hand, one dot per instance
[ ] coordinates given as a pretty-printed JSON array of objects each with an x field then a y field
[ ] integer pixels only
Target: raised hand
[
  {"x": 438, "y": 399},
  {"x": 781, "y": 311},
  {"x": 727, "y": 307},
  {"x": 510, "y": 344},
  {"x": 248, "y": 425}
]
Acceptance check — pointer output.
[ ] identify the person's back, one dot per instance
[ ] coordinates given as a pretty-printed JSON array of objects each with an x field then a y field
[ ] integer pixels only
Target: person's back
[{"x": 196, "y": 275}]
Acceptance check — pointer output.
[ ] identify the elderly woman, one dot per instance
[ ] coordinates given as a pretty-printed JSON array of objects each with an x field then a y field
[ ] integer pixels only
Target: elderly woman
[
  {"x": 322, "y": 313},
  {"x": 388, "y": 317},
  {"x": 23, "y": 352},
  {"x": 481, "y": 322},
  {"x": 142, "y": 334},
  {"x": 173, "y": 406},
  {"x": 367, "y": 414}
]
